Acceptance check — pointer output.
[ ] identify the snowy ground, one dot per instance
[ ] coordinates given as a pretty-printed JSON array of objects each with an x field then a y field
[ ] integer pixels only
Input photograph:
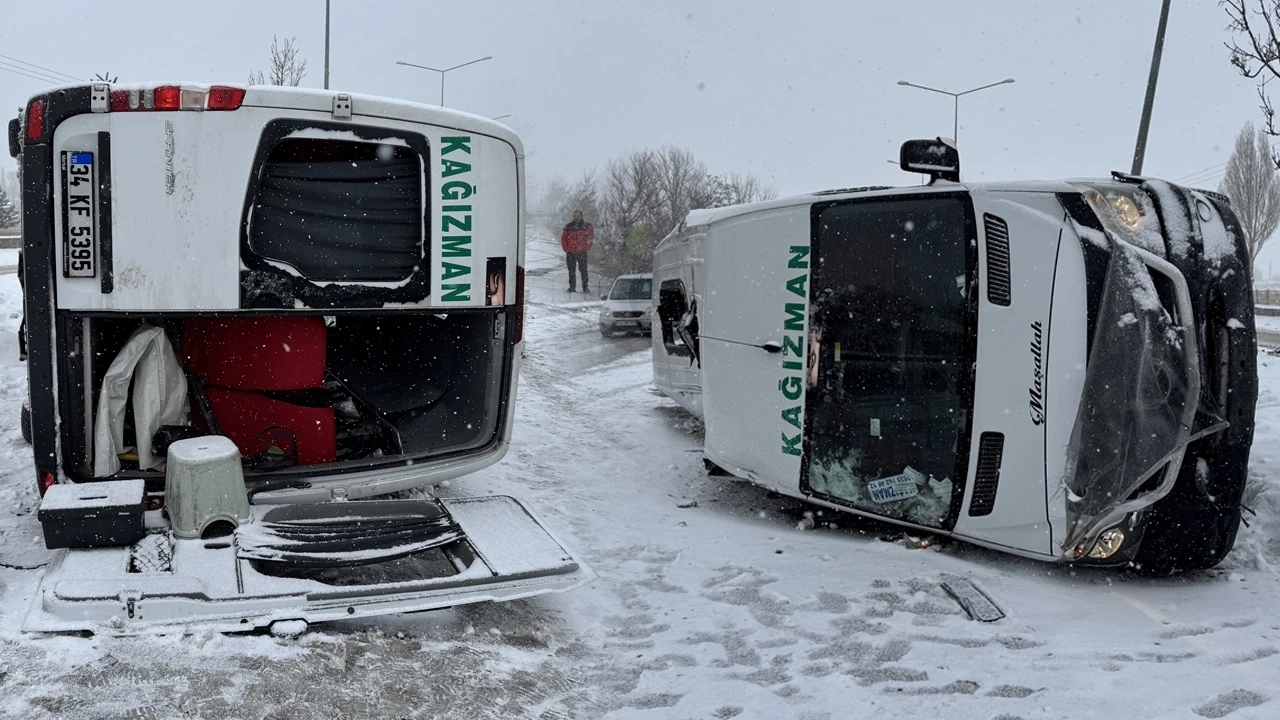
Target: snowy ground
[{"x": 718, "y": 610}]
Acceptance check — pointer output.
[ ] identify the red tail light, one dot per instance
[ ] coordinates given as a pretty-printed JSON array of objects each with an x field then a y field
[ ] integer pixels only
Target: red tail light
[
  {"x": 222, "y": 97},
  {"x": 519, "y": 303},
  {"x": 174, "y": 97},
  {"x": 47, "y": 480},
  {"x": 167, "y": 97},
  {"x": 35, "y": 120}
]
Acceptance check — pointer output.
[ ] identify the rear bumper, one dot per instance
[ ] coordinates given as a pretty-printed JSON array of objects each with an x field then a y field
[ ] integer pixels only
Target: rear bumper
[
  {"x": 211, "y": 587},
  {"x": 642, "y": 325}
]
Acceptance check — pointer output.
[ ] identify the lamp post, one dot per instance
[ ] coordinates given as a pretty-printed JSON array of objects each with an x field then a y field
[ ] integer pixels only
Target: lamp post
[
  {"x": 955, "y": 131},
  {"x": 446, "y": 70}
]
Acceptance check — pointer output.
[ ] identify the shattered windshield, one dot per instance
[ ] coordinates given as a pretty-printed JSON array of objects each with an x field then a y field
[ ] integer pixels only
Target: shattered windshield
[
  {"x": 890, "y": 325},
  {"x": 632, "y": 289}
]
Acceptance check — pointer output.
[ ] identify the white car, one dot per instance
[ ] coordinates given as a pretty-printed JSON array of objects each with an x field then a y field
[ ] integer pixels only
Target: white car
[
  {"x": 628, "y": 306},
  {"x": 1061, "y": 370}
]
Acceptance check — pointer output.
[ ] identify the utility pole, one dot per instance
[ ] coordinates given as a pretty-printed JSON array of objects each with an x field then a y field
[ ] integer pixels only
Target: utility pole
[
  {"x": 1140, "y": 151},
  {"x": 326, "y": 44}
]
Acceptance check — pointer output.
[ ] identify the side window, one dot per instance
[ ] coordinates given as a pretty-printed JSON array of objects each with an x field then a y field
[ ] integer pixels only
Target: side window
[{"x": 673, "y": 303}]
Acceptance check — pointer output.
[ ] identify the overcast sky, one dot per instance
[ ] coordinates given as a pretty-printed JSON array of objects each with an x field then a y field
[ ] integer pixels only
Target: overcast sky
[{"x": 803, "y": 94}]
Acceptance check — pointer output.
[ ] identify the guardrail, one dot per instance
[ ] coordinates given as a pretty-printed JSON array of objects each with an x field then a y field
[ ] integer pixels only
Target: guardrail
[{"x": 1266, "y": 297}]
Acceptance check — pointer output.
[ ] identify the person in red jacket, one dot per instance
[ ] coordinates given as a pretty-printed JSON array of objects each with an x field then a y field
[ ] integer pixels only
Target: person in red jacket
[{"x": 576, "y": 239}]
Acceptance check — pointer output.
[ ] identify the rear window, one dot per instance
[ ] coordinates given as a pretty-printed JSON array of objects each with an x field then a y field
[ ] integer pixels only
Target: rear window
[{"x": 340, "y": 210}]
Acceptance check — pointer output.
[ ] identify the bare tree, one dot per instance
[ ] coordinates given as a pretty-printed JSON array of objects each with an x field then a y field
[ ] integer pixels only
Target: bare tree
[
  {"x": 1254, "y": 190},
  {"x": 631, "y": 205},
  {"x": 642, "y": 196},
  {"x": 738, "y": 188},
  {"x": 1257, "y": 54},
  {"x": 8, "y": 213},
  {"x": 287, "y": 65},
  {"x": 682, "y": 180}
]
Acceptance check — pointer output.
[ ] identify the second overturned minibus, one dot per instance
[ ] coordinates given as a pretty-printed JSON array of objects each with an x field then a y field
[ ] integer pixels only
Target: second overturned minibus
[{"x": 1065, "y": 371}]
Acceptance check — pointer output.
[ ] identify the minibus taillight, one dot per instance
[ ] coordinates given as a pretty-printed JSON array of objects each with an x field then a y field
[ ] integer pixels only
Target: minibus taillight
[{"x": 176, "y": 97}]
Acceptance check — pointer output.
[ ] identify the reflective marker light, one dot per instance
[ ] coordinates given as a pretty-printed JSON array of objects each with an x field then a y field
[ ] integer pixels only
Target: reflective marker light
[
  {"x": 47, "y": 480},
  {"x": 35, "y": 119},
  {"x": 174, "y": 97}
]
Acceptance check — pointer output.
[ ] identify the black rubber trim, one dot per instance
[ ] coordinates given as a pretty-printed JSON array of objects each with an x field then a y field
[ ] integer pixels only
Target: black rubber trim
[
  {"x": 1096, "y": 260},
  {"x": 999, "y": 281},
  {"x": 59, "y": 105},
  {"x": 38, "y": 299},
  {"x": 263, "y": 285},
  {"x": 986, "y": 481},
  {"x": 104, "y": 213}
]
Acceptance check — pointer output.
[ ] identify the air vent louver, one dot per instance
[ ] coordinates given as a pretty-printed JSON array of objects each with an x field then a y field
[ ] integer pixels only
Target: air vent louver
[
  {"x": 987, "y": 480},
  {"x": 998, "y": 283}
]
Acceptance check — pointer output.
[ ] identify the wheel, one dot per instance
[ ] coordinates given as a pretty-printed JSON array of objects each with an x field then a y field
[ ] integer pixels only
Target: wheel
[
  {"x": 25, "y": 422},
  {"x": 714, "y": 470},
  {"x": 605, "y": 332}
]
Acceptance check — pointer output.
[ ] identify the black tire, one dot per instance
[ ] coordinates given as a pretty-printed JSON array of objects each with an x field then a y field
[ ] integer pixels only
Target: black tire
[
  {"x": 25, "y": 422},
  {"x": 1195, "y": 525},
  {"x": 715, "y": 470},
  {"x": 605, "y": 333}
]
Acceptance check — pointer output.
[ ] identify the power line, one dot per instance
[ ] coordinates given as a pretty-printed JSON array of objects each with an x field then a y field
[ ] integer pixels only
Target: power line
[
  {"x": 29, "y": 71},
  {"x": 39, "y": 67},
  {"x": 33, "y": 77},
  {"x": 1216, "y": 168}
]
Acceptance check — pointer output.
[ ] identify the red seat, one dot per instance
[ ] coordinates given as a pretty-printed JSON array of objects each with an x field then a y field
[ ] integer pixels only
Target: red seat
[
  {"x": 256, "y": 353},
  {"x": 246, "y": 418}
]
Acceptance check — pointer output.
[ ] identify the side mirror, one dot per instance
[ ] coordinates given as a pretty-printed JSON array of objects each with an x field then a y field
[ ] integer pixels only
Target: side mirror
[
  {"x": 604, "y": 296},
  {"x": 936, "y": 158}
]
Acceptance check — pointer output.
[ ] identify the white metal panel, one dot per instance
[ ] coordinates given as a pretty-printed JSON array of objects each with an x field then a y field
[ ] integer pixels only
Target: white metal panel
[
  {"x": 1067, "y": 354},
  {"x": 475, "y": 201},
  {"x": 1013, "y": 369},
  {"x": 756, "y": 293},
  {"x": 178, "y": 186},
  {"x": 179, "y": 183}
]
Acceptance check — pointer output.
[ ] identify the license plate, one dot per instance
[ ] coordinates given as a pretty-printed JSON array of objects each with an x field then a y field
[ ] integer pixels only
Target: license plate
[
  {"x": 624, "y": 323},
  {"x": 891, "y": 489},
  {"x": 79, "y": 215}
]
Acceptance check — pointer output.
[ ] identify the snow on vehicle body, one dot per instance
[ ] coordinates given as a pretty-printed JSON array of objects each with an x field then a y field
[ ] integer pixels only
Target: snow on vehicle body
[
  {"x": 1064, "y": 371},
  {"x": 333, "y": 281}
]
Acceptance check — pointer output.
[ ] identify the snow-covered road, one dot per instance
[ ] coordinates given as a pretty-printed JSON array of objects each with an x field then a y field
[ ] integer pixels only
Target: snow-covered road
[{"x": 710, "y": 602}]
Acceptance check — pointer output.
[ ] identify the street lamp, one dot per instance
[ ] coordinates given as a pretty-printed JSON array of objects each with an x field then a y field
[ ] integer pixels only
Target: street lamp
[
  {"x": 955, "y": 132},
  {"x": 442, "y": 72}
]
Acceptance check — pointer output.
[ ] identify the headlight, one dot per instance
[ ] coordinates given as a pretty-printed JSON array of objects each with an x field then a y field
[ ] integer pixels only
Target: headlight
[
  {"x": 1107, "y": 544},
  {"x": 1126, "y": 212}
]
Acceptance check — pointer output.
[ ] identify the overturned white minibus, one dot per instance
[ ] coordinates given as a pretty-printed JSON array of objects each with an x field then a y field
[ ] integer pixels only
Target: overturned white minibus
[
  {"x": 1061, "y": 370},
  {"x": 249, "y": 310}
]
